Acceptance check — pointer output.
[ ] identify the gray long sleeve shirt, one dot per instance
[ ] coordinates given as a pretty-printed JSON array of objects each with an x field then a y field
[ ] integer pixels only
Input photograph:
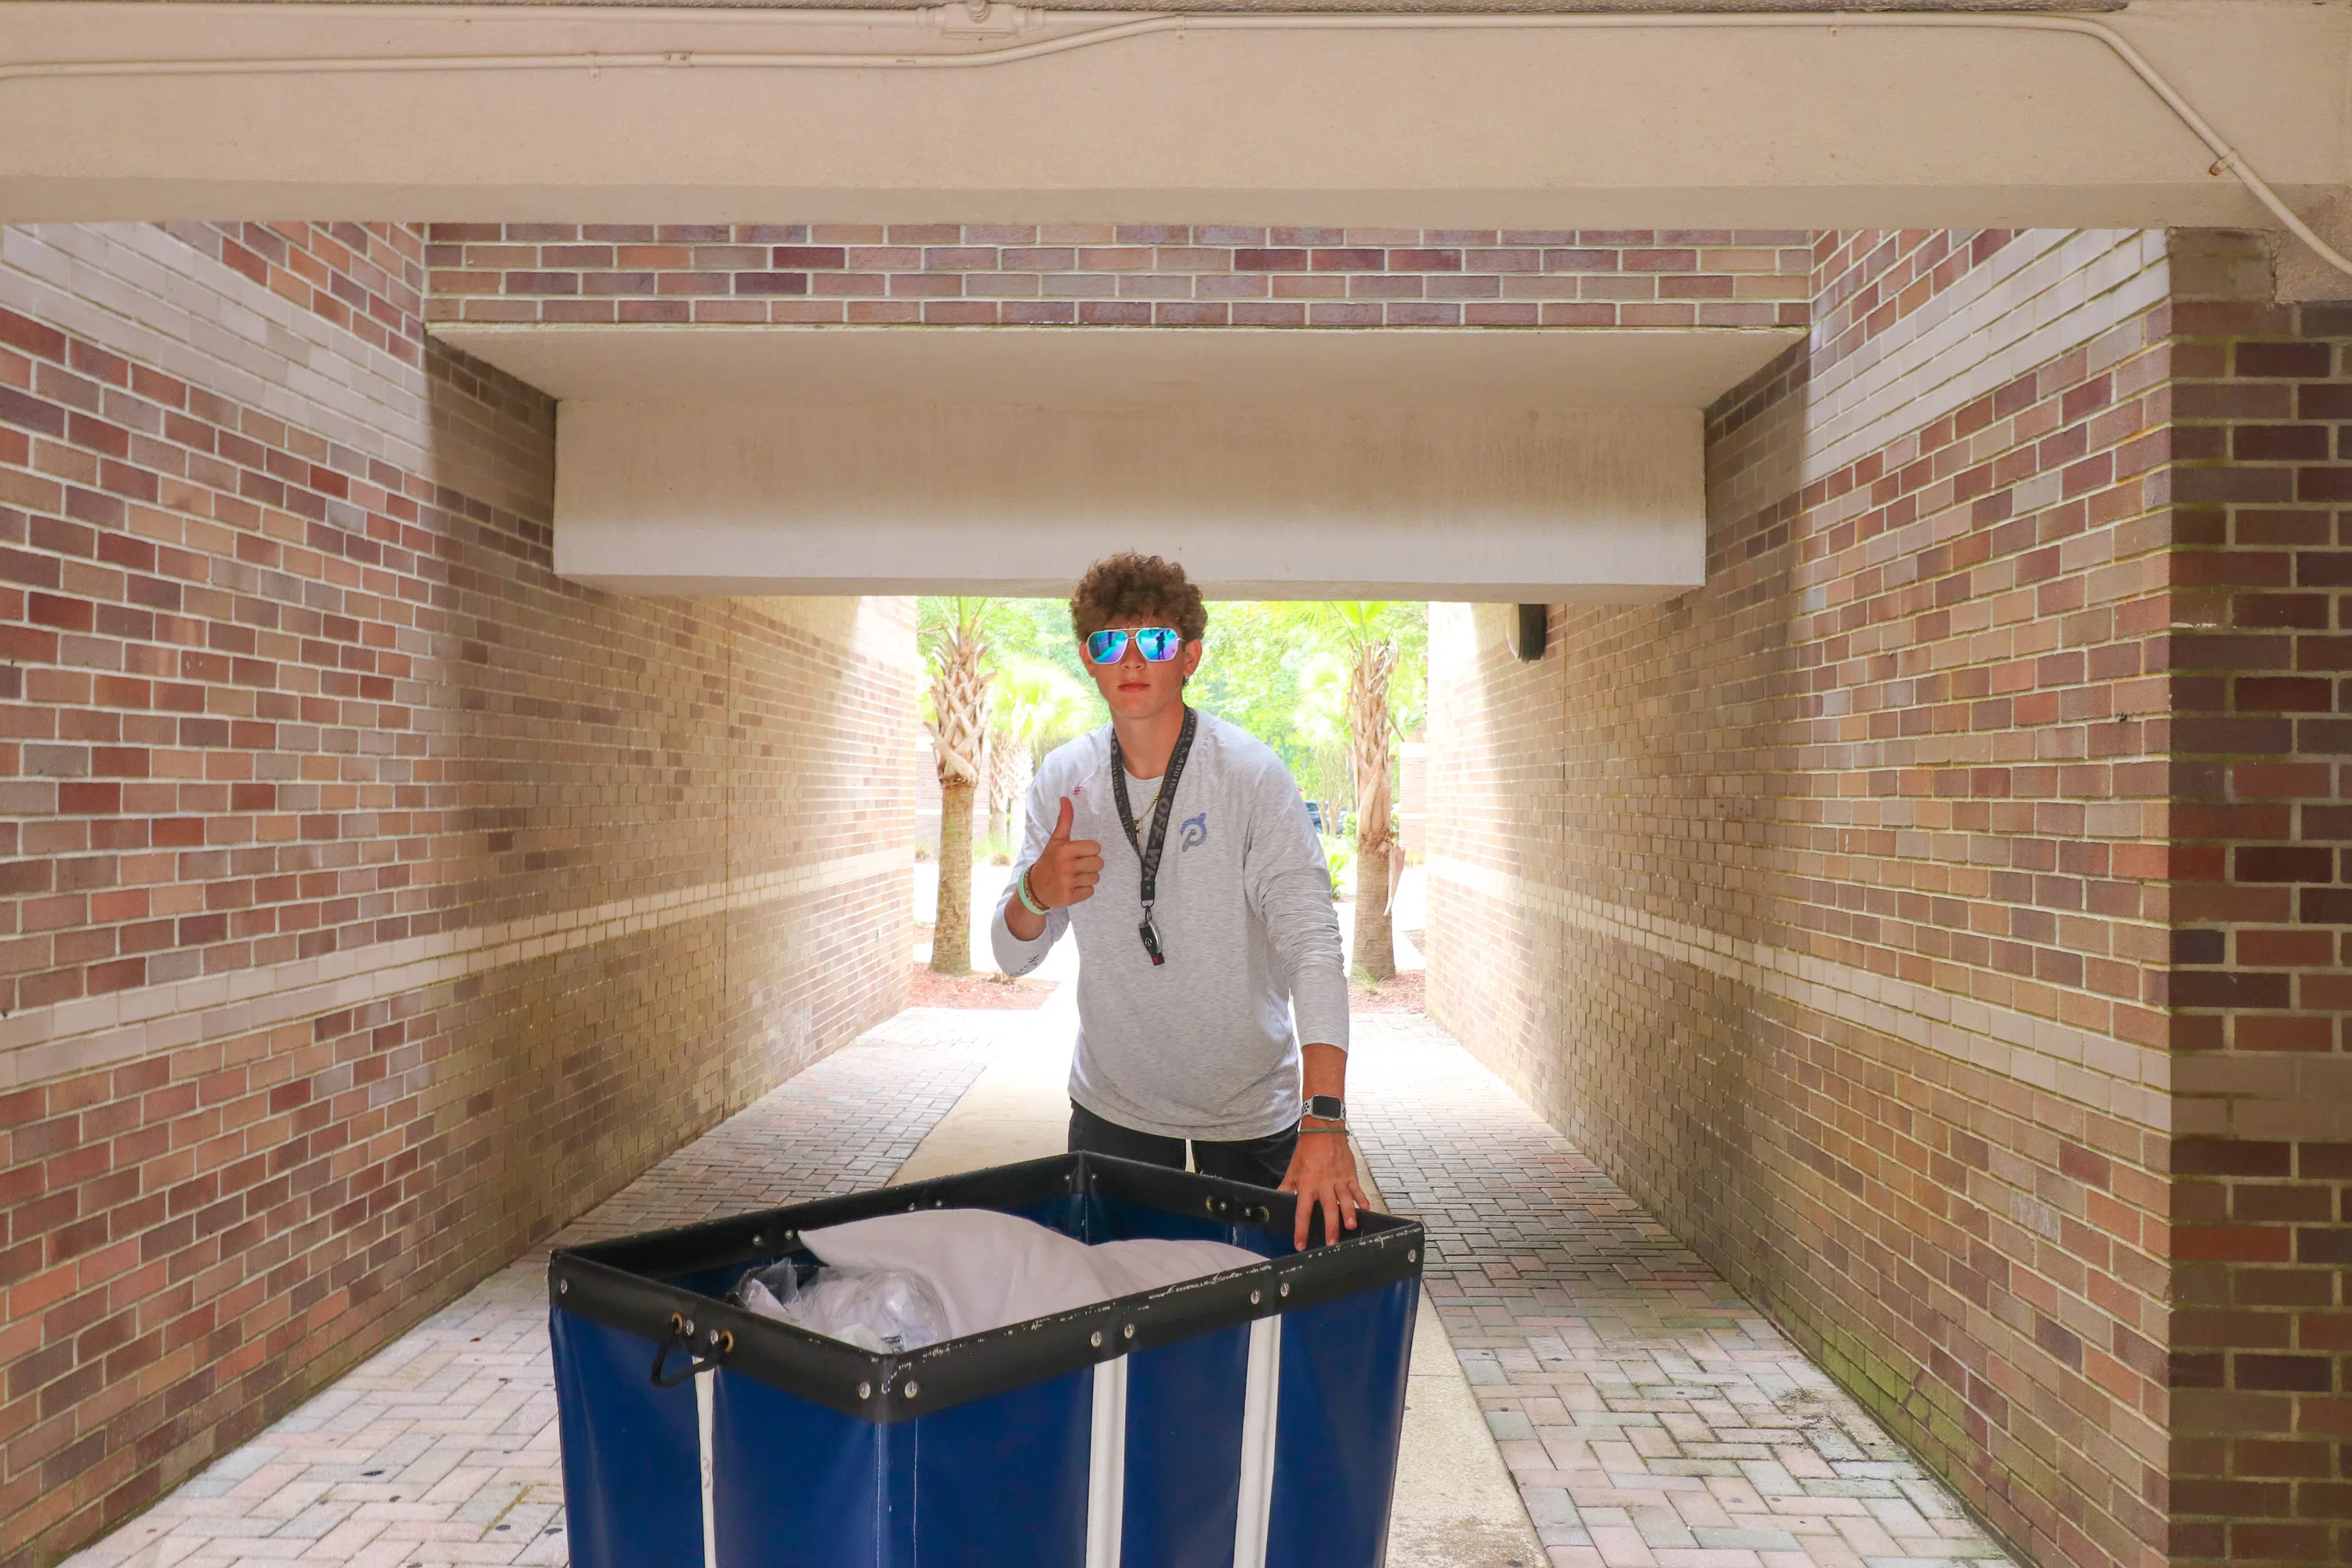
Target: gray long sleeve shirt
[{"x": 1202, "y": 1045}]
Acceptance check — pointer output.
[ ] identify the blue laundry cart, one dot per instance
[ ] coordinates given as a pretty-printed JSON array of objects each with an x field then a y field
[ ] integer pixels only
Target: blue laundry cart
[{"x": 1249, "y": 1418}]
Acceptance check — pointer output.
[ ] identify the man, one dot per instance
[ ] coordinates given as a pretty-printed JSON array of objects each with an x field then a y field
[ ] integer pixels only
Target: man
[{"x": 1176, "y": 847}]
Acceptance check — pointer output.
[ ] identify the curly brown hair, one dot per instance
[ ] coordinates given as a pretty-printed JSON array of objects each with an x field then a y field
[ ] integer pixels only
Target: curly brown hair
[{"x": 1127, "y": 585}]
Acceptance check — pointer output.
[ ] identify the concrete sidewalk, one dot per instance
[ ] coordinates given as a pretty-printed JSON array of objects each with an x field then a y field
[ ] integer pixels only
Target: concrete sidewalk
[{"x": 1455, "y": 1504}]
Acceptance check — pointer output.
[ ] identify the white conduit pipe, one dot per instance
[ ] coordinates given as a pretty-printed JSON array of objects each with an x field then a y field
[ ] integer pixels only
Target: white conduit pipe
[{"x": 1135, "y": 27}]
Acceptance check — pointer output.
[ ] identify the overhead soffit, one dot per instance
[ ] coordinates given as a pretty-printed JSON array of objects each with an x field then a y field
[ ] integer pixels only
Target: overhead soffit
[
  {"x": 1575, "y": 119},
  {"x": 1401, "y": 8},
  {"x": 1256, "y": 502},
  {"x": 834, "y": 459},
  {"x": 1130, "y": 367}
]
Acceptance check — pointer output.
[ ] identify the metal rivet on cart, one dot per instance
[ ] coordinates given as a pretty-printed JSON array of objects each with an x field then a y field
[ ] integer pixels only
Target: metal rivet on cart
[
  {"x": 1412, "y": 1257},
  {"x": 564, "y": 1287},
  {"x": 913, "y": 1389},
  {"x": 759, "y": 1241},
  {"x": 865, "y": 1391},
  {"x": 1254, "y": 1296},
  {"x": 1098, "y": 1339},
  {"x": 1127, "y": 1332},
  {"x": 1286, "y": 1288}
]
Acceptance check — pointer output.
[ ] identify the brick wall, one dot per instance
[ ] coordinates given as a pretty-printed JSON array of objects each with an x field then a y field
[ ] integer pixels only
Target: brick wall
[
  {"x": 1830, "y": 907},
  {"x": 1105, "y": 275},
  {"x": 2261, "y": 936},
  {"x": 371, "y": 899}
]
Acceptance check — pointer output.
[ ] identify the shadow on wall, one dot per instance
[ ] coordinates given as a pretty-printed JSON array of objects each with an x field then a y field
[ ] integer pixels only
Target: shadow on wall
[{"x": 710, "y": 791}]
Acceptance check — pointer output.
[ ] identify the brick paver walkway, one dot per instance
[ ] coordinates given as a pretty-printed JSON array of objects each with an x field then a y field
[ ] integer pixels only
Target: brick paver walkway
[
  {"x": 442, "y": 1448},
  {"x": 1652, "y": 1417}
]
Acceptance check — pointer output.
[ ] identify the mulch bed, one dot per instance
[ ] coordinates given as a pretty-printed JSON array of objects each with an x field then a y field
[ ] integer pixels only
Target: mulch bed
[
  {"x": 976, "y": 990},
  {"x": 1405, "y": 994}
]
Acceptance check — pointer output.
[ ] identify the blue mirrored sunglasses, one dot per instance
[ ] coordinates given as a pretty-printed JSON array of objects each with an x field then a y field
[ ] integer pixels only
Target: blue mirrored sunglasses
[{"x": 1158, "y": 643}]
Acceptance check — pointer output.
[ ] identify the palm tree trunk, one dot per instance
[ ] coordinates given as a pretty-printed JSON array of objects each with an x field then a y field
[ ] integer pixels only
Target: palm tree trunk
[
  {"x": 959, "y": 702},
  {"x": 1368, "y": 723},
  {"x": 951, "y": 936},
  {"x": 1005, "y": 756}
]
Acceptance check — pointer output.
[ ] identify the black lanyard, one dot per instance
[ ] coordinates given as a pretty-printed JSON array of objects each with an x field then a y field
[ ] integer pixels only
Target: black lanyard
[{"x": 1150, "y": 853}]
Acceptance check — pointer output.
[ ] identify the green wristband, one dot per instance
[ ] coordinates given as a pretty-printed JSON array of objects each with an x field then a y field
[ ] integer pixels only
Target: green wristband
[{"x": 1021, "y": 886}]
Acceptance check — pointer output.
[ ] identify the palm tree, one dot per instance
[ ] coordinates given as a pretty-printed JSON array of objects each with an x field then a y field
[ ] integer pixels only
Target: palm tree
[
  {"x": 960, "y": 679},
  {"x": 1005, "y": 768},
  {"x": 1371, "y": 732}
]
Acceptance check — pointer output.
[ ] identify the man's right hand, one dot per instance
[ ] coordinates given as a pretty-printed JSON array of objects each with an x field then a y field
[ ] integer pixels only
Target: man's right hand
[{"x": 1068, "y": 869}]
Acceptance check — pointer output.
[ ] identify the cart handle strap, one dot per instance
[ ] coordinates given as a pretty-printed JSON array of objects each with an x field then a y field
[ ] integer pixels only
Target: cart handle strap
[{"x": 681, "y": 1338}]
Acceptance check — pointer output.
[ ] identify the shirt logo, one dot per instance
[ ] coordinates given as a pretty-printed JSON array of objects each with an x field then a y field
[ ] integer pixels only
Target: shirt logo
[{"x": 1195, "y": 831}]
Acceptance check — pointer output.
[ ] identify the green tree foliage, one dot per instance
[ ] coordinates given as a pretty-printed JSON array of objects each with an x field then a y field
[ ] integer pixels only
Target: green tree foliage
[
  {"x": 1280, "y": 669},
  {"x": 1039, "y": 705},
  {"x": 1041, "y": 686},
  {"x": 1289, "y": 672}
]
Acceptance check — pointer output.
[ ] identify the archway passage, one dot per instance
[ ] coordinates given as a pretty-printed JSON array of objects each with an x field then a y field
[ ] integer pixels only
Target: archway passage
[{"x": 1909, "y": 873}]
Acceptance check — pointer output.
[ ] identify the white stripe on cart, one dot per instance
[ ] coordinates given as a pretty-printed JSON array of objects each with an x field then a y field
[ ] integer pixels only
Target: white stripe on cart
[
  {"x": 703, "y": 1384},
  {"x": 1261, "y": 1403},
  {"x": 1107, "y": 1466}
]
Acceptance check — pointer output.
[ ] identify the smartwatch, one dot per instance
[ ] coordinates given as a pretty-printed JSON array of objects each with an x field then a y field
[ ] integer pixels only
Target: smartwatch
[{"x": 1327, "y": 1107}]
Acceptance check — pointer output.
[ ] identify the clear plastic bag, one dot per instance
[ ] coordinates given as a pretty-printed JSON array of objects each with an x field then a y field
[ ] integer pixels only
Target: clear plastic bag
[{"x": 880, "y": 1309}]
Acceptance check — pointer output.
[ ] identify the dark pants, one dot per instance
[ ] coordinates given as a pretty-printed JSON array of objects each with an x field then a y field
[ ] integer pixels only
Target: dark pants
[{"x": 1260, "y": 1161}]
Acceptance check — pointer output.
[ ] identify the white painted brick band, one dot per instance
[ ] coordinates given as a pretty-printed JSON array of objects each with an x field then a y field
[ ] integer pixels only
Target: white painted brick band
[
  {"x": 2116, "y": 1076},
  {"x": 103, "y": 1031}
]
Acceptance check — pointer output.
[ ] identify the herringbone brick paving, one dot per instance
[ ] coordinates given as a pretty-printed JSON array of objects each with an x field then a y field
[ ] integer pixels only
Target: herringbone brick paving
[{"x": 1650, "y": 1418}]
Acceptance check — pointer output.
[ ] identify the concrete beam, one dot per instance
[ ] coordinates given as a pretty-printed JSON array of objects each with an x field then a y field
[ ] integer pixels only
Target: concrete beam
[
  {"x": 1129, "y": 367},
  {"x": 1644, "y": 122},
  {"x": 1259, "y": 502}
]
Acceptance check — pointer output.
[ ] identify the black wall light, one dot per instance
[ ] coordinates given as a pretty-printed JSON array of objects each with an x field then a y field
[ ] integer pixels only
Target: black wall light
[{"x": 1530, "y": 627}]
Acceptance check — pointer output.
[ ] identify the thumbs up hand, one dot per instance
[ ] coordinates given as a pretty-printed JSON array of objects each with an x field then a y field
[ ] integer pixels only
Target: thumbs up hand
[{"x": 1066, "y": 870}]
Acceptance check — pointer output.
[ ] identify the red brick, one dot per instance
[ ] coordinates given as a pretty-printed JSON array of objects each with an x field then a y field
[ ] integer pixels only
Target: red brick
[
  {"x": 1863, "y": 748},
  {"x": 215, "y": 800}
]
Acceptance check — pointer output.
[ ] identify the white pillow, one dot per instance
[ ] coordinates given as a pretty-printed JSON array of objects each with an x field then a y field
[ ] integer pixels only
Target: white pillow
[
  {"x": 989, "y": 1269},
  {"x": 1128, "y": 1267}
]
